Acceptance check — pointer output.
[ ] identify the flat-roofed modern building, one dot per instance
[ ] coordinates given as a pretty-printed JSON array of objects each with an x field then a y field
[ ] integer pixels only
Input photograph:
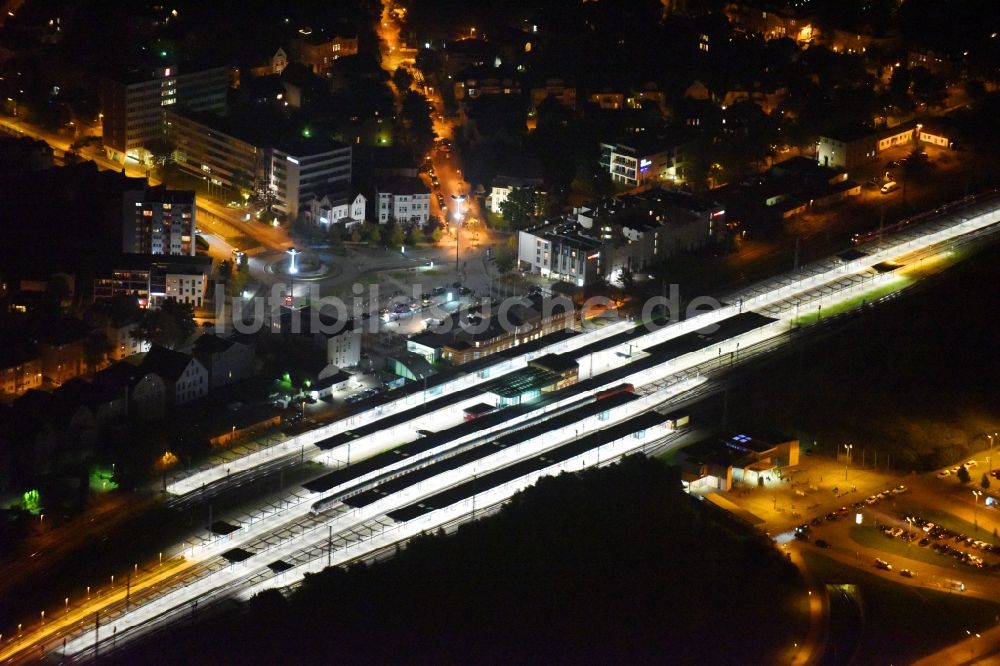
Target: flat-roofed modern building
[
  {"x": 612, "y": 237},
  {"x": 207, "y": 148},
  {"x": 640, "y": 162},
  {"x": 304, "y": 170},
  {"x": 134, "y": 104},
  {"x": 151, "y": 280}
]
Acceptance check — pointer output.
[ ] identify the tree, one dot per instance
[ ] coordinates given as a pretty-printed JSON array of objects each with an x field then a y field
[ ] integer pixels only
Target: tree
[
  {"x": 975, "y": 89},
  {"x": 334, "y": 234},
  {"x": 59, "y": 289},
  {"x": 916, "y": 163},
  {"x": 96, "y": 350},
  {"x": 162, "y": 151},
  {"x": 963, "y": 474},
  {"x": 628, "y": 279},
  {"x": 985, "y": 483},
  {"x": 414, "y": 237},
  {"x": 437, "y": 234},
  {"x": 416, "y": 115},
  {"x": 243, "y": 182},
  {"x": 264, "y": 198},
  {"x": 239, "y": 279},
  {"x": 927, "y": 87},
  {"x": 373, "y": 233},
  {"x": 397, "y": 236},
  {"x": 402, "y": 78},
  {"x": 521, "y": 207},
  {"x": 169, "y": 326},
  {"x": 505, "y": 257}
]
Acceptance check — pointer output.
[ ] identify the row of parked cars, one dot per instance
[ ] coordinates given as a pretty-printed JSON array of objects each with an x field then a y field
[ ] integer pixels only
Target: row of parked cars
[
  {"x": 938, "y": 538},
  {"x": 802, "y": 531},
  {"x": 954, "y": 470}
]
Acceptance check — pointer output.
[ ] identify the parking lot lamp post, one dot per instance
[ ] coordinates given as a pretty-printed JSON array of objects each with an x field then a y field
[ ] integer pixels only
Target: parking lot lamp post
[
  {"x": 975, "y": 508},
  {"x": 848, "y": 447}
]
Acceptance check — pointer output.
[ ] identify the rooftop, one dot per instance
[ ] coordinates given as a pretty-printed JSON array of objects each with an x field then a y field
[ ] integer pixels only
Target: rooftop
[
  {"x": 402, "y": 185},
  {"x": 166, "y": 363}
]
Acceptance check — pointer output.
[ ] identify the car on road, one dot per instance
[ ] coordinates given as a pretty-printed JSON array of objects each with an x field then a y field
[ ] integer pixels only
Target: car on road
[
  {"x": 906, "y": 573},
  {"x": 891, "y": 186},
  {"x": 816, "y": 522},
  {"x": 822, "y": 543},
  {"x": 944, "y": 473},
  {"x": 923, "y": 542},
  {"x": 831, "y": 516},
  {"x": 882, "y": 564},
  {"x": 970, "y": 464}
]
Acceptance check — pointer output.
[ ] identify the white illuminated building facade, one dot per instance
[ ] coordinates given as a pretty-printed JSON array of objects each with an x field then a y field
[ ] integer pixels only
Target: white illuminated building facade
[
  {"x": 637, "y": 164},
  {"x": 338, "y": 207},
  {"x": 403, "y": 199},
  {"x": 303, "y": 171},
  {"x": 605, "y": 240}
]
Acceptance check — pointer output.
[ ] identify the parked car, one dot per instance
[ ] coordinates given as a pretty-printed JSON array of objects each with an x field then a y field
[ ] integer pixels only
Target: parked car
[
  {"x": 891, "y": 186},
  {"x": 906, "y": 573},
  {"x": 882, "y": 564}
]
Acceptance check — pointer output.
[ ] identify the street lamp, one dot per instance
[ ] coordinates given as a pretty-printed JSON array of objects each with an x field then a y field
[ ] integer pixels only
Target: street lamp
[
  {"x": 848, "y": 447},
  {"x": 975, "y": 508},
  {"x": 459, "y": 199}
]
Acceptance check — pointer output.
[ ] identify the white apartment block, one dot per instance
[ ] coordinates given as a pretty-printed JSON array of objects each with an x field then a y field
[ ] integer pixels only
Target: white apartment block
[{"x": 405, "y": 200}]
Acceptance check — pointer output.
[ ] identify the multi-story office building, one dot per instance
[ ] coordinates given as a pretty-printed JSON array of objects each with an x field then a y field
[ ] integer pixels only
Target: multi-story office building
[
  {"x": 158, "y": 221},
  {"x": 303, "y": 170},
  {"x": 207, "y": 148},
  {"x": 405, "y": 200},
  {"x": 563, "y": 252},
  {"x": 134, "y": 104},
  {"x": 226, "y": 155}
]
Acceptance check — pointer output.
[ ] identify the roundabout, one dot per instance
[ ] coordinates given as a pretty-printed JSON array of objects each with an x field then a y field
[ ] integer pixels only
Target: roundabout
[{"x": 295, "y": 264}]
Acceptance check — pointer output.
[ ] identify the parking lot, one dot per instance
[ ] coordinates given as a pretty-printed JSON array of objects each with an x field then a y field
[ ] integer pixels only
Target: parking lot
[{"x": 929, "y": 530}]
